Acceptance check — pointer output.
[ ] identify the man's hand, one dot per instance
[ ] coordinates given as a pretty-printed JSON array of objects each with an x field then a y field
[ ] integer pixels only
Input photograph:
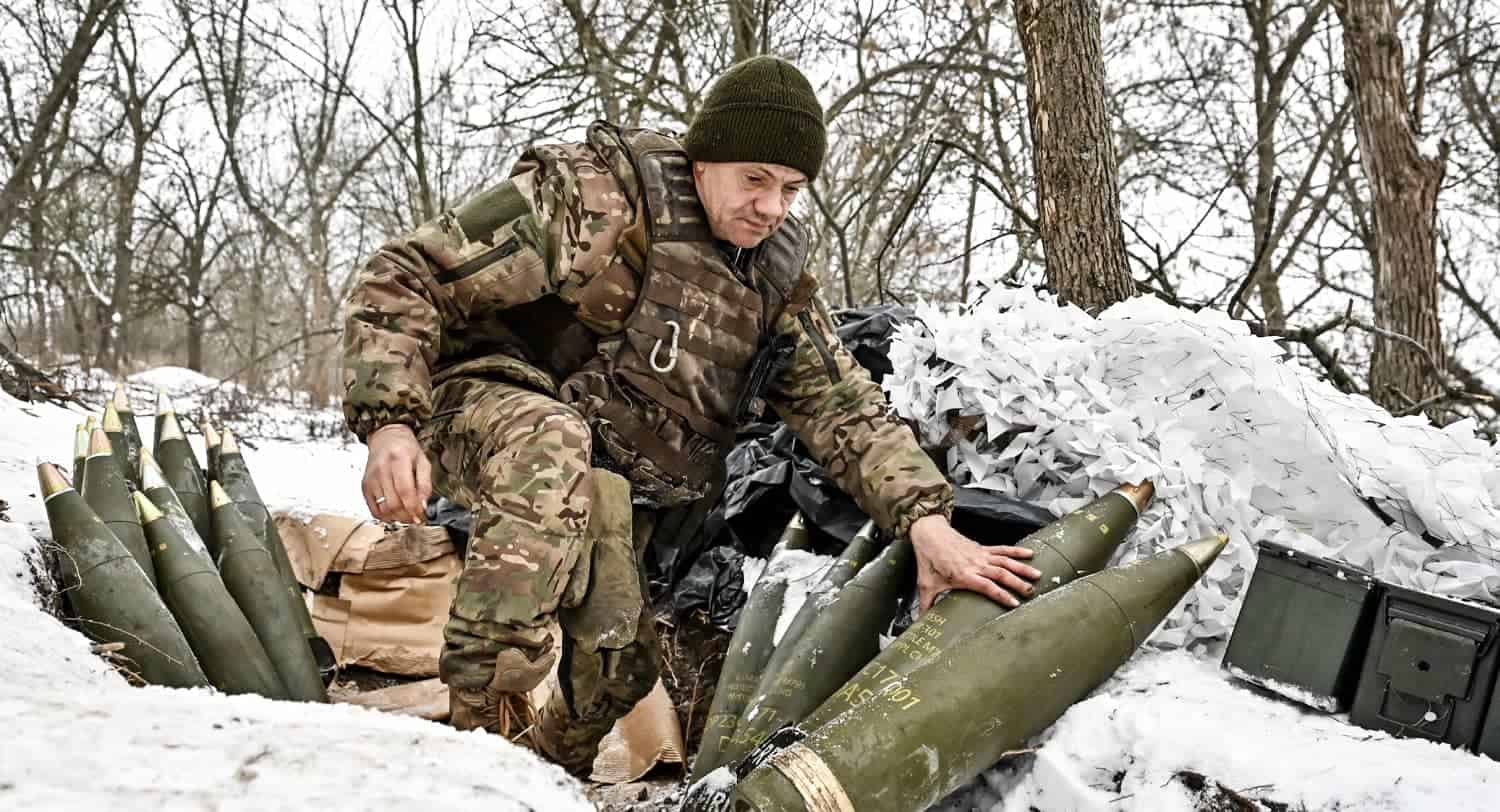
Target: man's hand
[
  {"x": 398, "y": 477},
  {"x": 946, "y": 560}
]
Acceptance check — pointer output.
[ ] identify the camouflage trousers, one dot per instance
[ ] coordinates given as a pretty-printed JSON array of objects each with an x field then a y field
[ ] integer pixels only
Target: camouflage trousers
[{"x": 552, "y": 539}]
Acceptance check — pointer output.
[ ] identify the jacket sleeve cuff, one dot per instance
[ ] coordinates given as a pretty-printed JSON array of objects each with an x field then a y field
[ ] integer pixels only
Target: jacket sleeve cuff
[
  {"x": 363, "y": 421},
  {"x": 939, "y": 501}
]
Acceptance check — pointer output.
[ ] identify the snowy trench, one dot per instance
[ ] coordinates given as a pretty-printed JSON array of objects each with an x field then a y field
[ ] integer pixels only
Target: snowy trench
[{"x": 77, "y": 736}]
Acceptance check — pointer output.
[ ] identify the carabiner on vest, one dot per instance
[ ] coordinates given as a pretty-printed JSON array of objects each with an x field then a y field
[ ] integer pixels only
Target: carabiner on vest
[{"x": 671, "y": 362}]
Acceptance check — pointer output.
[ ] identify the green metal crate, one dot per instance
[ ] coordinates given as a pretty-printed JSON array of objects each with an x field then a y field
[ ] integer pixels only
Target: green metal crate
[
  {"x": 1303, "y": 628},
  {"x": 1430, "y": 670}
]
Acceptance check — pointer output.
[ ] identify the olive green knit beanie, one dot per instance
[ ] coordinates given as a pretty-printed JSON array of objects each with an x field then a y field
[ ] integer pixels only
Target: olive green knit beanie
[{"x": 762, "y": 109}]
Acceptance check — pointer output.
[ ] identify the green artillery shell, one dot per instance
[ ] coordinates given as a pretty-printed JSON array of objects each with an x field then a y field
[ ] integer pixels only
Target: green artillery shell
[
  {"x": 155, "y": 485},
  {"x": 132, "y": 429},
  {"x": 861, "y": 549},
  {"x": 211, "y": 442},
  {"x": 129, "y": 428},
  {"x": 180, "y": 465},
  {"x": 103, "y": 486},
  {"x": 844, "y": 636},
  {"x": 114, "y": 429},
  {"x": 234, "y": 475},
  {"x": 226, "y": 645},
  {"x": 749, "y": 649},
  {"x": 928, "y": 733},
  {"x": 252, "y": 578},
  {"x": 1075, "y": 545},
  {"x": 80, "y": 450},
  {"x": 114, "y": 600},
  {"x": 164, "y": 407}
]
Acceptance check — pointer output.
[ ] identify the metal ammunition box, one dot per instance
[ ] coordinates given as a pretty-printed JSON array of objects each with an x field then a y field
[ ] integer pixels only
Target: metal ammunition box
[
  {"x": 1304, "y": 627},
  {"x": 1430, "y": 669}
]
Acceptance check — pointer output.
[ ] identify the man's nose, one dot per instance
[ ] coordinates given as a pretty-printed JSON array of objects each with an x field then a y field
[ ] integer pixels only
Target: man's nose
[{"x": 770, "y": 204}]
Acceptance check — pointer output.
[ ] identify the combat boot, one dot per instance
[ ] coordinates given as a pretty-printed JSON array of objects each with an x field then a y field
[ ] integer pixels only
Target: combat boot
[{"x": 502, "y": 706}]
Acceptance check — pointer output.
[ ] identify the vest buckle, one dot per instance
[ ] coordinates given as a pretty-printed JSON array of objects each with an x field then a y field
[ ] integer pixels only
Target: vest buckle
[{"x": 671, "y": 362}]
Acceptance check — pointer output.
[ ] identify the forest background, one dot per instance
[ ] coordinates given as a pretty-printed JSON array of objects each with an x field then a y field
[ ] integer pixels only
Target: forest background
[{"x": 196, "y": 183}]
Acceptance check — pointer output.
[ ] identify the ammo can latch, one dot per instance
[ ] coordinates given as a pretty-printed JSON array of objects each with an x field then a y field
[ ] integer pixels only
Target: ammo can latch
[{"x": 1429, "y": 661}]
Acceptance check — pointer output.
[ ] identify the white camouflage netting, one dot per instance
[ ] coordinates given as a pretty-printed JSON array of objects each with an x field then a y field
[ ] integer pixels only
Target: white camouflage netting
[{"x": 1235, "y": 438}]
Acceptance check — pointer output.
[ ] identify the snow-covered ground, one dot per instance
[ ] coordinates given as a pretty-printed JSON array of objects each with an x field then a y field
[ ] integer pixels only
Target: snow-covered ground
[
  {"x": 78, "y": 737},
  {"x": 1167, "y": 713}
]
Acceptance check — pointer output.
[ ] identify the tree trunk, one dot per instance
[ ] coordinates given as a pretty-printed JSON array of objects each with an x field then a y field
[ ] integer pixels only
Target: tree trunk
[
  {"x": 36, "y": 260},
  {"x": 1077, "y": 178},
  {"x": 195, "y": 339},
  {"x": 113, "y": 345},
  {"x": 743, "y": 20},
  {"x": 1267, "y": 109},
  {"x": 1404, "y": 184}
]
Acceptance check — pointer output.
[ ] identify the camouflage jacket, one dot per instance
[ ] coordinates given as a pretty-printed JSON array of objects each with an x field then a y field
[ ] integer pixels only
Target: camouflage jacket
[{"x": 453, "y": 298}]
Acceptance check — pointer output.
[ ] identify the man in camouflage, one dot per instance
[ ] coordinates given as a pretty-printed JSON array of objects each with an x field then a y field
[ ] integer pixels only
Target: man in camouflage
[{"x": 584, "y": 337}]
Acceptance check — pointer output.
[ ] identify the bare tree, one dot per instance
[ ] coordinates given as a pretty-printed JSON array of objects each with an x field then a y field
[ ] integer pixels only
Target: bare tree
[
  {"x": 297, "y": 202},
  {"x": 94, "y": 19},
  {"x": 144, "y": 96},
  {"x": 1077, "y": 179},
  {"x": 1404, "y": 177}
]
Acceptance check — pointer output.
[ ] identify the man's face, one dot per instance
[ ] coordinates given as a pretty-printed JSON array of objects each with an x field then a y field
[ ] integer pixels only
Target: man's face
[{"x": 746, "y": 201}]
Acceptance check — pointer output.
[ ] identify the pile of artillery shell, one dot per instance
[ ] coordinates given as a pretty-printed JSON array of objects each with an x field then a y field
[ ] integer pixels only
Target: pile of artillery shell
[
  {"x": 843, "y": 636},
  {"x": 929, "y": 732},
  {"x": 1078, "y": 544},
  {"x": 226, "y": 644},
  {"x": 180, "y": 465},
  {"x": 250, "y": 573},
  {"x": 191, "y": 591},
  {"x": 749, "y": 650},
  {"x": 114, "y": 599},
  {"x": 834, "y": 676},
  {"x": 104, "y": 489},
  {"x": 227, "y": 465}
]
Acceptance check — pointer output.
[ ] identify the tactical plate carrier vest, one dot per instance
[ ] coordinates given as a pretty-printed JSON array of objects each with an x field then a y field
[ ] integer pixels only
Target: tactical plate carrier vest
[{"x": 665, "y": 395}]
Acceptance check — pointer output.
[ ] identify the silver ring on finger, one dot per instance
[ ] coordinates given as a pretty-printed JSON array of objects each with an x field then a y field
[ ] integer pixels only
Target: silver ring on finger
[{"x": 380, "y": 500}]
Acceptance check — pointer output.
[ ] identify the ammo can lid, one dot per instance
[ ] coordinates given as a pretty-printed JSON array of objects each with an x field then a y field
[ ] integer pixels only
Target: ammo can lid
[
  {"x": 1341, "y": 570},
  {"x": 1417, "y": 604}
]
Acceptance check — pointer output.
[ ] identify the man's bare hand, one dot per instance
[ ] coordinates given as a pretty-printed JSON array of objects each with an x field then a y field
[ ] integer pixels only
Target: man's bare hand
[
  {"x": 946, "y": 559},
  {"x": 398, "y": 477}
]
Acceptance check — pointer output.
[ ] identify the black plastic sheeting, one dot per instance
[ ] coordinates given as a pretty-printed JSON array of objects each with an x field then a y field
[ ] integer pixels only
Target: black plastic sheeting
[
  {"x": 714, "y": 583},
  {"x": 866, "y": 332}
]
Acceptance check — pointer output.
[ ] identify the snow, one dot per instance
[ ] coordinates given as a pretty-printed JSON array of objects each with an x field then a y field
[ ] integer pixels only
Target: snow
[
  {"x": 803, "y": 571},
  {"x": 92, "y": 741},
  {"x": 176, "y": 381},
  {"x": 1170, "y": 711},
  {"x": 1296, "y": 693}
]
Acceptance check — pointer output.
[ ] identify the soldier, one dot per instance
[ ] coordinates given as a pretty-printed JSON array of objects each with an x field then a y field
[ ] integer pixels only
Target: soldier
[{"x": 587, "y": 335}]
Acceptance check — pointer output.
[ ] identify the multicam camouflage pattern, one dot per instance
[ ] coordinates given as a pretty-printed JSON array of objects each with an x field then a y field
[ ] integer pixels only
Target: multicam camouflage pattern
[
  {"x": 454, "y": 298},
  {"x": 466, "y": 328},
  {"x": 829, "y": 401},
  {"x": 664, "y": 394},
  {"x": 520, "y": 461},
  {"x": 544, "y": 525},
  {"x": 448, "y": 299},
  {"x": 602, "y": 676}
]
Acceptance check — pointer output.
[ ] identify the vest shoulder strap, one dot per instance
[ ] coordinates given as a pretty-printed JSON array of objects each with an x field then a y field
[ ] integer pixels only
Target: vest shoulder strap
[{"x": 657, "y": 174}]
